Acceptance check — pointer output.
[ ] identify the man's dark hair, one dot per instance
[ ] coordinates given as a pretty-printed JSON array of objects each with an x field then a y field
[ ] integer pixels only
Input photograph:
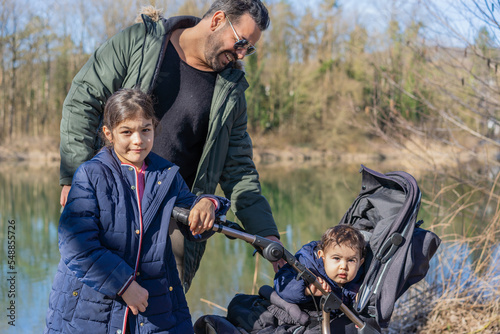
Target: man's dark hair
[{"x": 236, "y": 8}]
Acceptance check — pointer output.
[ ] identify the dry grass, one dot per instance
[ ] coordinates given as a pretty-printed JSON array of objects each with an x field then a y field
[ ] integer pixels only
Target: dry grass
[
  {"x": 464, "y": 296},
  {"x": 459, "y": 317},
  {"x": 472, "y": 306}
]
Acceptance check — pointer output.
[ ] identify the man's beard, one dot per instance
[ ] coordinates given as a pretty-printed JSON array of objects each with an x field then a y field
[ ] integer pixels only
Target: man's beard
[{"x": 212, "y": 53}]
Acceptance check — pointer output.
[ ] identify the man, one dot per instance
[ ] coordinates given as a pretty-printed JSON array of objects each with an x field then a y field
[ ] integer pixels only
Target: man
[{"x": 192, "y": 67}]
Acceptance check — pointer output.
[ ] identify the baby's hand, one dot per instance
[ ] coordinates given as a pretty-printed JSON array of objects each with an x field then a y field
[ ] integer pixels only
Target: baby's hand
[
  {"x": 202, "y": 216},
  {"x": 315, "y": 291}
]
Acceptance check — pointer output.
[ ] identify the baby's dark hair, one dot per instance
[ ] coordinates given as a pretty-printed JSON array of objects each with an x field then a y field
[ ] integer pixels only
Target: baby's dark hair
[
  {"x": 128, "y": 103},
  {"x": 341, "y": 235}
]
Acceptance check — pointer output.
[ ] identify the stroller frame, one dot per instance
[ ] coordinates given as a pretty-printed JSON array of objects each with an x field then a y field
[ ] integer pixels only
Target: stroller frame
[{"x": 273, "y": 251}]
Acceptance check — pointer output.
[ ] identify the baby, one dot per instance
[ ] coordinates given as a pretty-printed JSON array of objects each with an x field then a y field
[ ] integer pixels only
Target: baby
[{"x": 335, "y": 260}]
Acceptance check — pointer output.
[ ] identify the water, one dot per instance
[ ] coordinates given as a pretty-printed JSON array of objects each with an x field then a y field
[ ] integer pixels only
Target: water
[
  {"x": 305, "y": 202},
  {"x": 28, "y": 200}
]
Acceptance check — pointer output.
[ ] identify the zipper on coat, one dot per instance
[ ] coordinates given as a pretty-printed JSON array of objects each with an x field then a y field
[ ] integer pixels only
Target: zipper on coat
[
  {"x": 160, "y": 61},
  {"x": 125, "y": 317}
]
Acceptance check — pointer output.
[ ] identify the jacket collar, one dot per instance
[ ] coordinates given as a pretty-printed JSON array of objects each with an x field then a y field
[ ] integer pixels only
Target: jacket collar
[{"x": 180, "y": 22}]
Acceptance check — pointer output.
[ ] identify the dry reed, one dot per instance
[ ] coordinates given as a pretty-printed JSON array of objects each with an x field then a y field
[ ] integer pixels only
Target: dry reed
[{"x": 462, "y": 291}]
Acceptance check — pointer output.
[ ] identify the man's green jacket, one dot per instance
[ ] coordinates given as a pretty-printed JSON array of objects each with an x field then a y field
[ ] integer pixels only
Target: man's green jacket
[{"x": 133, "y": 58}]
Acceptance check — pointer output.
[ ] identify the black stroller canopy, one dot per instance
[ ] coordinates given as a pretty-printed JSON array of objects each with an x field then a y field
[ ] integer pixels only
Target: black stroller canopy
[{"x": 398, "y": 250}]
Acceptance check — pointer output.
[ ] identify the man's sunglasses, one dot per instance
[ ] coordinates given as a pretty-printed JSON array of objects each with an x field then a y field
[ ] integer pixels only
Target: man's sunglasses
[{"x": 242, "y": 43}]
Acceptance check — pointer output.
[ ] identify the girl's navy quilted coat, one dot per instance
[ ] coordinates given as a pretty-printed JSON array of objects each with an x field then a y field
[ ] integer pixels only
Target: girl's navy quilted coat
[{"x": 108, "y": 235}]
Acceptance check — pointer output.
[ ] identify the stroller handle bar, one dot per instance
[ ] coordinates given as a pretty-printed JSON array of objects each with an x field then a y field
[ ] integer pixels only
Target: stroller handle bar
[{"x": 273, "y": 251}]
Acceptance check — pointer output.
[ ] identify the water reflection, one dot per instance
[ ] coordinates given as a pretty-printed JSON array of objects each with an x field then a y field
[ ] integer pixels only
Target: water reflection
[
  {"x": 454, "y": 266},
  {"x": 29, "y": 198},
  {"x": 305, "y": 202}
]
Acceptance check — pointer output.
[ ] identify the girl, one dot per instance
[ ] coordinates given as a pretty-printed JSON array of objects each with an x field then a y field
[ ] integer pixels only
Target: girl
[{"x": 117, "y": 272}]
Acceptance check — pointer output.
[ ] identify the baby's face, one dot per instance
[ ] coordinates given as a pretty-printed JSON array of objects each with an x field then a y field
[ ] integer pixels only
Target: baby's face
[{"x": 341, "y": 263}]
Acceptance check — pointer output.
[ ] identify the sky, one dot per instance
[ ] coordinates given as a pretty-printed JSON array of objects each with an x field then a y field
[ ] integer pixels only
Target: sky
[
  {"x": 461, "y": 21},
  {"x": 374, "y": 15}
]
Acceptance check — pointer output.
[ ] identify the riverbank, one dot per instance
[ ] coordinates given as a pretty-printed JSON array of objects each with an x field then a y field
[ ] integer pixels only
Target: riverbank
[
  {"x": 414, "y": 156},
  {"x": 34, "y": 151}
]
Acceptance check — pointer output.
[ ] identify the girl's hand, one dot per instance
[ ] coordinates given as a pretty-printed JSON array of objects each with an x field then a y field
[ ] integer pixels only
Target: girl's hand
[
  {"x": 64, "y": 195},
  {"x": 315, "y": 291},
  {"x": 136, "y": 298},
  {"x": 202, "y": 216}
]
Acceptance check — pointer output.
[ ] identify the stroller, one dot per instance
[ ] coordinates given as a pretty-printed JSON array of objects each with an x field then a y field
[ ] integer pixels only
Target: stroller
[{"x": 398, "y": 256}]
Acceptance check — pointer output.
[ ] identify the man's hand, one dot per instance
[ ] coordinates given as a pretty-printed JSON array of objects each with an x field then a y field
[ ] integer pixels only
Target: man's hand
[
  {"x": 136, "y": 298},
  {"x": 202, "y": 216},
  {"x": 315, "y": 291},
  {"x": 280, "y": 263},
  {"x": 64, "y": 195}
]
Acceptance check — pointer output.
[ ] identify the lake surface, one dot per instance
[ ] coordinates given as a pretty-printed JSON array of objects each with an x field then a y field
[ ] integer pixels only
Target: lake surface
[{"x": 305, "y": 202}]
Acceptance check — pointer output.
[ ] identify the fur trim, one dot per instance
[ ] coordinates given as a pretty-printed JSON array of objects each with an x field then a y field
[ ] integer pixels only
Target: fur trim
[
  {"x": 151, "y": 11},
  {"x": 239, "y": 65}
]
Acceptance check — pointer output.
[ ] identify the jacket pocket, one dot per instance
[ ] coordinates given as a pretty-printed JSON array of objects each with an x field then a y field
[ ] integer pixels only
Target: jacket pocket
[
  {"x": 70, "y": 297},
  {"x": 93, "y": 305}
]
